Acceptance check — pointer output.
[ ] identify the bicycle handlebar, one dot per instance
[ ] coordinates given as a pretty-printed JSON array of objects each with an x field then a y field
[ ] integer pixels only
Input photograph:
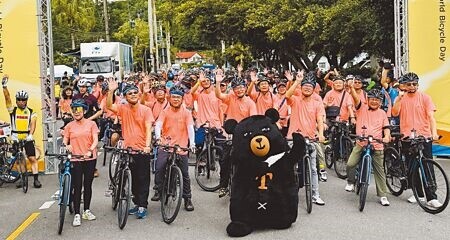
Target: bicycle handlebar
[
  {"x": 128, "y": 150},
  {"x": 176, "y": 147},
  {"x": 369, "y": 138},
  {"x": 68, "y": 155}
]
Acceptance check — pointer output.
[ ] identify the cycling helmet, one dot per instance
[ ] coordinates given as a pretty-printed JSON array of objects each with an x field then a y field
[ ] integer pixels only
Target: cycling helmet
[
  {"x": 238, "y": 81},
  {"x": 262, "y": 78},
  {"x": 170, "y": 76},
  {"x": 375, "y": 93},
  {"x": 22, "y": 94},
  {"x": 358, "y": 77},
  {"x": 129, "y": 87},
  {"x": 409, "y": 77},
  {"x": 337, "y": 77},
  {"x": 177, "y": 90},
  {"x": 100, "y": 78},
  {"x": 349, "y": 77},
  {"x": 83, "y": 83},
  {"x": 282, "y": 81},
  {"x": 104, "y": 86},
  {"x": 80, "y": 102},
  {"x": 310, "y": 78},
  {"x": 158, "y": 86}
]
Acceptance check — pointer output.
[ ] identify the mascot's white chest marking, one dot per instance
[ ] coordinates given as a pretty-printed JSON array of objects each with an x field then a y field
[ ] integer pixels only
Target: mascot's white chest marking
[{"x": 273, "y": 159}]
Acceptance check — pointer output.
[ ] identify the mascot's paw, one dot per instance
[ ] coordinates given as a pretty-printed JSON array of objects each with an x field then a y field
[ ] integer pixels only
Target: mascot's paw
[
  {"x": 282, "y": 225},
  {"x": 299, "y": 144},
  {"x": 238, "y": 229}
]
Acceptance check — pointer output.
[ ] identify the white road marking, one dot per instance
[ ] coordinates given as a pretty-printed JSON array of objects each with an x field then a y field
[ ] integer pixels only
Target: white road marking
[{"x": 46, "y": 205}]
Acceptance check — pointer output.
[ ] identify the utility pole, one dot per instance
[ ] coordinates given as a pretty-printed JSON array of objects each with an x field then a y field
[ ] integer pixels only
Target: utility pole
[
  {"x": 151, "y": 35},
  {"x": 168, "y": 44},
  {"x": 155, "y": 32},
  {"x": 105, "y": 14}
]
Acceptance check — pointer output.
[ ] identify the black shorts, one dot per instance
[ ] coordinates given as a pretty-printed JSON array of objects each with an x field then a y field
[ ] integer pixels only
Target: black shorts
[{"x": 29, "y": 148}]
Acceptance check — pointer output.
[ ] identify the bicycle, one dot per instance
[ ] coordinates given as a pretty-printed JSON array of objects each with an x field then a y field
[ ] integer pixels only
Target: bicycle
[
  {"x": 65, "y": 183},
  {"x": 364, "y": 168},
  {"x": 18, "y": 158},
  {"x": 421, "y": 174},
  {"x": 106, "y": 138},
  {"x": 7, "y": 159},
  {"x": 341, "y": 146},
  {"x": 121, "y": 193},
  {"x": 207, "y": 165},
  {"x": 172, "y": 188},
  {"x": 304, "y": 172}
]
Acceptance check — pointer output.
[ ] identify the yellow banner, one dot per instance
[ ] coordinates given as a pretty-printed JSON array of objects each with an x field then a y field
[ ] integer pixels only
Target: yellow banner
[
  {"x": 19, "y": 57},
  {"x": 429, "y": 55}
]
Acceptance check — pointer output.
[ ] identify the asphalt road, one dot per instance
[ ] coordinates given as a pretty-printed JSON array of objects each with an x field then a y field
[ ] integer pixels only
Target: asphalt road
[{"x": 338, "y": 219}]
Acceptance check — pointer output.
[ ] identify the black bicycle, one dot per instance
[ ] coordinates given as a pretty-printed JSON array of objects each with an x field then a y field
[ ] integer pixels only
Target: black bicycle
[
  {"x": 172, "y": 188},
  {"x": 207, "y": 165},
  {"x": 339, "y": 148},
  {"x": 424, "y": 176},
  {"x": 121, "y": 193}
]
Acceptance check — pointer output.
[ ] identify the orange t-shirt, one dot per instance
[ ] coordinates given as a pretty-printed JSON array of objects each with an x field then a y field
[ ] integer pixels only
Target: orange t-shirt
[
  {"x": 282, "y": 107},
  {"x": 333, "y": 98},
  {"x": 175, "y": 126},
  {"x": 79, "y": 134},
  {"x": 106, "y": 112},
  {"x": 263, "y": 101},
  {"x": 64, "y": 104},
  {"x": 157, "y": 107},
  {"x": 208, "y": 108},
  {"x": 239, "y": 108},
  {"x": 374, "y": 121},
  {"x": 133, "y": 124},
  {"x": 304, "y": 116},
  {"x": 414, "y": 114}
]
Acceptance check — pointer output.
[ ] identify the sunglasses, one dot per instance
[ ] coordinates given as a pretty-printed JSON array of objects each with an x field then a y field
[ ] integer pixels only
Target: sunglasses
[
  {"x": 411, "y": 84},
  {"x": 222, "y": 84},
  {"x": 77, "y": 109},
  {"x": 132, "y": 93},
  {"x": 357, "y": 82},
  {"x": 22, "y": 99}
]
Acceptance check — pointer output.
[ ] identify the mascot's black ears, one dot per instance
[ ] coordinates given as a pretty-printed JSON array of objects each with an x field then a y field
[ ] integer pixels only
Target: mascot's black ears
[
  {"x": 230, "y": 125},
  {"x": 273, "y": 114}
]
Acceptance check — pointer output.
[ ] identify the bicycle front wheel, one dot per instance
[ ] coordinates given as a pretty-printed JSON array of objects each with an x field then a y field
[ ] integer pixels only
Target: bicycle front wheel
[
  {"x": 124, "y": 198},
  {"x": 207, "y": 171},
  {"x": 171, "y": 194},
  {"x": 340, "y": 165},
  {"x": 362, "y": 195},
  {"x": 113, "y": 166},
  {"x": 431, "y": 180},
  {"x": 308, "y": 186},
  {"x": 328, "y": 156},
  {"x": 393, "y": 169},
  {"x": 64, "y": 201},
  {"x": 23, "y": 172}
]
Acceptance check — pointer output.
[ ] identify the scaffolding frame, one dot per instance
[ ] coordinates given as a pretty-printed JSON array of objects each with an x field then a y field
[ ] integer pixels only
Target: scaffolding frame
[{"x": 401, "y": 37}]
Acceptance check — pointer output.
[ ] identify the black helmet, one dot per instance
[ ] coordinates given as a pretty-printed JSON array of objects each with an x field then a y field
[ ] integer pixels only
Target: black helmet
[
  {"x": 282, "y": 81},
  {"x": 128, "y": 87},
  {"x": 170, "y": 76},
  {"x": 104, "y": 86},
  {"x": 409, "y": 77},
  {"x": 238, "y": 81},
  {"x": 375, "y": 93},
  {"x": 177, "y": 90},
  {"x": 310, "y": 78},
  {"x": 100, "y": 78},
  {"x": 80, "y": 102}
]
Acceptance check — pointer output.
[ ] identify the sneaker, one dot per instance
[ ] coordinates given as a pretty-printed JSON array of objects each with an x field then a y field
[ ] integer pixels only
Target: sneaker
[
  {"x": 223, "y": 192},
  {"x": 76, "y": 220},
  {"x": 133, "y": 211},
  {"x": 156, "y": 197},
  {"x": 434, "y": 203},
  {"x": 96, "y": 174},
  {"x": 37, "y": 184},
  {"x": 384, "y": 201},
  {"x": 188, "y": 204},
  {"x": 87, "y": 215},
  {"x": 350, "y": 187},
  {"x": 141, "y": 213},
  {"x": 323, "y": 175},
  {"x": 318, "y": 201},
  {"x": 412, "y": 199}
]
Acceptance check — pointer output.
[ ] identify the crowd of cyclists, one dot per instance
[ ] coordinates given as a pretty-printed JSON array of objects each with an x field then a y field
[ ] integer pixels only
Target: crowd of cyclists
[{"x": 169, "y": 108}]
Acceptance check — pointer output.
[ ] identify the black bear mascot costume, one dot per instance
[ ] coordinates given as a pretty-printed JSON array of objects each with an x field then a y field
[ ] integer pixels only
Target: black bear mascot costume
[{"x": 264, "y": 191}]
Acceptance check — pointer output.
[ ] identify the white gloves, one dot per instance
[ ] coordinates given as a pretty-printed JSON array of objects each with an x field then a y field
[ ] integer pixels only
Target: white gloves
[
  {"x": 4, "y": 81},
  {"x": 29, "y": 138}
]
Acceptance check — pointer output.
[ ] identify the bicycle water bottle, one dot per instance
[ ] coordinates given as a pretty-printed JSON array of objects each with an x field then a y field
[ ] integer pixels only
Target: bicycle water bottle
[{"x": 11, "y": 159}]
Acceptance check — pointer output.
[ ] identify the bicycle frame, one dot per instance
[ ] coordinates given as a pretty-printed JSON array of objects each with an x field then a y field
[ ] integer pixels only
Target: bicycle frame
[
  {"x": 67, "y": 165},
  {"x": 365, "y": 165}
]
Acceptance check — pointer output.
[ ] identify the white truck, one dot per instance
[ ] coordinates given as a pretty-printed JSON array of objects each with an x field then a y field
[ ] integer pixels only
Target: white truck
[{"x": 110, "y": 59}]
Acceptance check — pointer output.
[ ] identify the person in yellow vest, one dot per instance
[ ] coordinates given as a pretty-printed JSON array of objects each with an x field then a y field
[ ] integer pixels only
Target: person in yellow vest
[{"x": 23, "y": 125}]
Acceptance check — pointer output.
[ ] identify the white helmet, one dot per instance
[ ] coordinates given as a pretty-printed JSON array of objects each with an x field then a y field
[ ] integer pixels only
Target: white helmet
[
  {"x": 83, "y": 83},
  {"x": 22, "y": 94}
]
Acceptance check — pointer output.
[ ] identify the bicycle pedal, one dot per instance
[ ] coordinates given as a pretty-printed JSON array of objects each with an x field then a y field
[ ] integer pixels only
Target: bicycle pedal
[{"x": 108, "y": 193}]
